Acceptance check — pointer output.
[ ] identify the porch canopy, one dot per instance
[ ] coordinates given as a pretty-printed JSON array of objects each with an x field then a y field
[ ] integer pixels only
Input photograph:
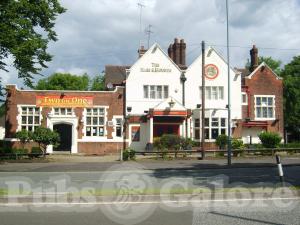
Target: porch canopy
[{"x": 169, "y": 117}]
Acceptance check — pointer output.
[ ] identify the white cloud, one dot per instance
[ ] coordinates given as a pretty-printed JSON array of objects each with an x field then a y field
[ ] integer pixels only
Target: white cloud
[{"x": 98, "y": 32}]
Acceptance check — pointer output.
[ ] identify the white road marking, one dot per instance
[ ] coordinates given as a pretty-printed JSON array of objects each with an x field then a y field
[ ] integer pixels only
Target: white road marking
[{"x": 144, "y": 202}]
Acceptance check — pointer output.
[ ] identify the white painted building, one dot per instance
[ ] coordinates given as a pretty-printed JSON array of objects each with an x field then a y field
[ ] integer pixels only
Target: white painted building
[{"x": 154, "y": 97}]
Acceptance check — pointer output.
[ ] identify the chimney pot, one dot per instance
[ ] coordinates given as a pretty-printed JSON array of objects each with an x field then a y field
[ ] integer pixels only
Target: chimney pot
[{"x": 142, "y": 51}]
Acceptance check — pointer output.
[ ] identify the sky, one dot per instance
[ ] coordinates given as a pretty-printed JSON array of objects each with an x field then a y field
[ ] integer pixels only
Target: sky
[{"x": 94, "y": 33}]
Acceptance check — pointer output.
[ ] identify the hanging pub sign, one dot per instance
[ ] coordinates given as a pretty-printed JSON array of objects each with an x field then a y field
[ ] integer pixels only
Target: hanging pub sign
[
  {"x": 64, "y": 101},
  {"x": 211, "y": 71}
]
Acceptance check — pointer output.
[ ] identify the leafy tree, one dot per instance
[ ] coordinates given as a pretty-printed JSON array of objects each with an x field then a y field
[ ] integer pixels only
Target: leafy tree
[
  {"x": 98, "y": 83},
  {"x": 272, "y": 63},
  {"x": 26, "y": 29},
  {"x": 2, "y": 110},
  {"x": 64, "y": 81},
  {"x": 24, "y": 136},
  {"x": 44, "y": 137},
  {"x": 291, "y": 93},
  {"x": 1, "y": 91}
]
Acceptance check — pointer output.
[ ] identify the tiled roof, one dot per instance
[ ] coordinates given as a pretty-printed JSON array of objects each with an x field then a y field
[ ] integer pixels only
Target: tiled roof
[{"x": 115, "y": 74}]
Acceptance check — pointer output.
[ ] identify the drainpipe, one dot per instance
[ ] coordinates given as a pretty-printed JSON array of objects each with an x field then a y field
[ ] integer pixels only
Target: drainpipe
[{"x": 183, "y": 80}]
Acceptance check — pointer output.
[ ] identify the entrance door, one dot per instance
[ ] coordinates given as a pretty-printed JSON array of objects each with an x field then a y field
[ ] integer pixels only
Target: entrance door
[
  {"x": 160, "y": 129},
  {"x": 65, "y": 134}
]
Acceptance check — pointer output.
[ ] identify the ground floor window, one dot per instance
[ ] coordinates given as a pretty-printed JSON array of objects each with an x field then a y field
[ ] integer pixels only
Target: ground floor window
[
  {"x": 95, "y": 122},
  {"x": 197, "y": 129},
  {"x": 119, "y": 127},
  {"x": 214, "y": 126},
  {"x": 30, "y": 118}
]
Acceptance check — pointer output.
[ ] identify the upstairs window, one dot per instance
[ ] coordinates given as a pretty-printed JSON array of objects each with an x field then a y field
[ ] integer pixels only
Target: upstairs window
[
  {"x": 213, "y": 92},
  {"x": 265, "y": 107},
  {"x": 156, "y": 91},
  {"x": 30, "y": 118},
  {"x": 244, "y": 98},
  {"x": 63, "y": 111}
]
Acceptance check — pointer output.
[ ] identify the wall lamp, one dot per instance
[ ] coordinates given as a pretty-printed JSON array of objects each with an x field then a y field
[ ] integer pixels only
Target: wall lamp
[
  {"x": 129, "y": 108},
  {"x": 171, "y": 103}
]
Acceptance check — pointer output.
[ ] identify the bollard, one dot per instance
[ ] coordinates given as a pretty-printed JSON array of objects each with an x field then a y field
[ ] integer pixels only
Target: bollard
[{"x": 280, "y": 171}]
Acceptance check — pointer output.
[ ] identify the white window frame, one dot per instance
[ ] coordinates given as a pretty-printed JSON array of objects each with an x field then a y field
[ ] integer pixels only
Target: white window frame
[
  {"x": 19, "y": 117},
  {"x": 219, "y": 127},
  {"x": 197, "y": 128},
  {"x": 155, "y": 91},
  {"x": 114, "y": 133},
  {"x": 246, "y": 97},
  {"x": 57, "y": 111},
  {"x": 219, "y": 93},
  {"x": 85, "y": 126},
  {"x": 263, "y": 106}
]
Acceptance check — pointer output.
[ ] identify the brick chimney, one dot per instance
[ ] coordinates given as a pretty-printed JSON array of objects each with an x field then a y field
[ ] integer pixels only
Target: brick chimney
[
  {"x": 141, "y": 51},
  {"x": 182, "y": 52},
  {"x": 254, "y": 58},
  {"x": 170, "y": 51},
  {"x": 176, "y": 52}
]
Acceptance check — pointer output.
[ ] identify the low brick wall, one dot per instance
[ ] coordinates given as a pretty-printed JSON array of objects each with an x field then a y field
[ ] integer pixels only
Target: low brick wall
[{"x": 99, "y": 148}]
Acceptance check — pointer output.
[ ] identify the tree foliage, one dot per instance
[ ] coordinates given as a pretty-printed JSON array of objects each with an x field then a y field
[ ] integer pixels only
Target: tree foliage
[
  {"x": 44, "y": 137},
  {"x": 61, "y": 81},
  {"x": 291, "y": 75},
  {"x": 24, "y": 136},
  {"x": 2, "y": 110},
  {"x": 272, "y": 63},
  {"x": 98, "y": 83},
  {"x": 26, "y": 29}
]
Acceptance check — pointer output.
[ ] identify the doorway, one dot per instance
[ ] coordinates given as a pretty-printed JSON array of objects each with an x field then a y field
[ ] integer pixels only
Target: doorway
[
  {"x": 160, "y": 129},
  {"x": 65, "y": 135}
]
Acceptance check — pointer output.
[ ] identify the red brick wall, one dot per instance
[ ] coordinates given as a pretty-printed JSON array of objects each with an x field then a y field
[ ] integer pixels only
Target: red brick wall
[
  {"x": 99, "y": 148},
  {"x": 264, "y": 82},
  {"x": 114, "y": 100}
]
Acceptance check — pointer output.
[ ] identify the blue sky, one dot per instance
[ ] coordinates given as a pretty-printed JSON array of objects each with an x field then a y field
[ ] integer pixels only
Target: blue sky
[{"x": 98, "y": 32}]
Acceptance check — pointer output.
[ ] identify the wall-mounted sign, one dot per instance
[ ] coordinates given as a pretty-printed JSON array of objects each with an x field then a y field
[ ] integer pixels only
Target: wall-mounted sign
[
  {"x": 135, "y": 133},
  {"x": 211, "y": 71},
  {"x": 155, "y": 67},
  {"x": 64, "y": 101}
]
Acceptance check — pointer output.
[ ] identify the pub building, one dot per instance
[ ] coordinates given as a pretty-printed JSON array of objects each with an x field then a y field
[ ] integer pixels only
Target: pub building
[{"x": 156, "y": 95}]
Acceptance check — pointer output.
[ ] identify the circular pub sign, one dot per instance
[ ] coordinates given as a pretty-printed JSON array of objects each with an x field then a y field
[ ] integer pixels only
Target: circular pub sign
[{"x": 211, "y": 71}]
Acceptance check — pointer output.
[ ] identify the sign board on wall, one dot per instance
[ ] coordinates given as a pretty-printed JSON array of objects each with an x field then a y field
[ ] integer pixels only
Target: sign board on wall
[
  {"x": 135, "y": 133},
  {"x": 65, "y": 101},
  {"x": 211, "y": 71}
]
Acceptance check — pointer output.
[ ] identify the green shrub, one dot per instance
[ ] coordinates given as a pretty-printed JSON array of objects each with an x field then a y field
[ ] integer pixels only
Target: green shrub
[
  {"x": 269, "y": 139},
  {"x": 128, "y": 154},
  {"x": 221, "y": 141},
  {"x": 238, "y": 147},
  {"x": 171, "y": 141},
  {"x": 24, "y": 136}
]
